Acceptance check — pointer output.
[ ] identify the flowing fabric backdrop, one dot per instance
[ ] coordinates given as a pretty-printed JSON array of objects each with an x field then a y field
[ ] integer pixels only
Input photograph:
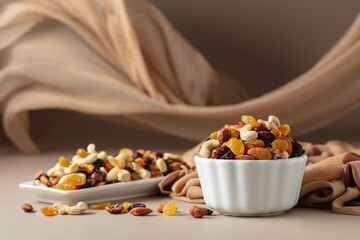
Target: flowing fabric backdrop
[{"x": 121, "y": 59}]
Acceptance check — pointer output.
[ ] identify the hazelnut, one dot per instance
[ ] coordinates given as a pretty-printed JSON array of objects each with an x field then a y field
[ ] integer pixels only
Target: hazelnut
[
  {"x": 98, "y": 177},
  {"x": 27, "y": 207},
  {"x": 197, "y": 212},
  {"x": 223, "y": 135}
]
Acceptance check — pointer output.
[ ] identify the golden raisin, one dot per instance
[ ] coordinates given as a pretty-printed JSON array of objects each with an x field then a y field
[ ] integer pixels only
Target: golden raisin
[
  {"x": 68, "y": 186},
  {"x": 99, "y": 206},
  {"x": 74, "y": 179},
  {"x": 127, "y": 151},
  {"x": 250, "y": 120},
  {"x": 169, "y": 209},
  {"x": 214, "y": 135},
  {"x": 280, "y": 144},
  {"x": 48, "y": 211},
  {"x": 134, "y": 176},
  {"x": 64, "y": 162},
  {"x": 277, "y": 133},
  {"x": 147, "y": 154},
  {"x": 89, "y": 168},
  {"x": 236, "y": 146},
  {"x": 117, "y": 163},
  {"x": 126, "y": 205},
  {"x": 140, "y": 161},
  {"x": 255, "y": 143},
  {"x": 82, "y": 153},
  {"x": 285, "y": 129},
  {"x": 141, "y": 151}
]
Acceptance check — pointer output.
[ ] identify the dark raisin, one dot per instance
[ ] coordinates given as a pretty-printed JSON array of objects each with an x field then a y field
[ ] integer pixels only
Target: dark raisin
[
  {"x": 266, "y": 136},
  {"x": 267, "y": 143},
  {"x": 297, "y": 150},
  {"x": 135, "y": 205},
  {"x": 228, "y": 155},
  {"x": 114, "y": 181},
  {"x": 159, "y": 154},
  {"x": 98, "y": 163},
  {"x": 87, "y": 184},
  {"x": 84, "y": 172},
  {"x": 129, "y": 169},
  {"x": 137, "y": 155},
  {"x": 147, "y": 167},
  {"x": 148, "y": 160},
  {"x": 207, "y": 211},
  {"x": 218, "y": 152}
]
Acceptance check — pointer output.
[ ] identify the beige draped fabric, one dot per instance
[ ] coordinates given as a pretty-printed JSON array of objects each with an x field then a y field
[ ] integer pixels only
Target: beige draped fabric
[
  {"x": 121, "y": 60},
  {"x": 331, "y": 179}
]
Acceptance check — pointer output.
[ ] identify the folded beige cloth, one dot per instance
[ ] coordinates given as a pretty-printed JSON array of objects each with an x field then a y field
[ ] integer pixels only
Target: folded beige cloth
[
  {"x": 122, "y": 61},
  {"x": 331, "y": 179}
]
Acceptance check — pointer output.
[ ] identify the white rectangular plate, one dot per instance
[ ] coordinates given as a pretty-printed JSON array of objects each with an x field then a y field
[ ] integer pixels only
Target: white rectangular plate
[{"x": 105, "y": 193}]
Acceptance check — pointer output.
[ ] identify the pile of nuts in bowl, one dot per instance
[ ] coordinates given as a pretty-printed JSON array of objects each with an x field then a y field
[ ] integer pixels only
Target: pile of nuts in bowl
[
  {"x": 90, "y": 168},
  {"x": 252, "y": 139}
]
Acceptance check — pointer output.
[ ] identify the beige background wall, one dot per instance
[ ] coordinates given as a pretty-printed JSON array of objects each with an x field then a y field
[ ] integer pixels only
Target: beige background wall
[{"x": 263, "y": 44}]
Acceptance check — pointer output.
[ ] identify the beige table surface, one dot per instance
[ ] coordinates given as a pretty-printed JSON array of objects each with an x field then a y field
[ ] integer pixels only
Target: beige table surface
[
  {"x": 15, "y": 224},
  {"x": 298, "y": 223}
]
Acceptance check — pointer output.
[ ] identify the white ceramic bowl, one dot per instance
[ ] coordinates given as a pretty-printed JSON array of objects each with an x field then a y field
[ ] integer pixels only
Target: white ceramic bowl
[{"x": 251, "y": 187}]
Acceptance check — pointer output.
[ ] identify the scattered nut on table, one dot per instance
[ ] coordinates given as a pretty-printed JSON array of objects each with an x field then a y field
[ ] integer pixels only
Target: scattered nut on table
[
  {"x": 27, "y": 207},
  {"x": 196, "y": 211},
  {"x": 140, "y": 211},
  {"x": 114, "y": 209}
]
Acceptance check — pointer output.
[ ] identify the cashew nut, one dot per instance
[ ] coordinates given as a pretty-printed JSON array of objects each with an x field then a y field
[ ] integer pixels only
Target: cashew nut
[
  {"x": 63, "y": 179},
  {"x": 80, "y": 208},
  {"x": 284, "y": 155},
  {"x": 246, "y": 134},
  {"x": 142, "y": 172},
  {"x": 60, "y": 207},
  {"x": 272, "y": 123},
  {"x": 172, "y": 156},
  {"x": 87, "y": 160},
  {"x": 161, "y": 165},
  {"x": 91, "y": 148},
  {"x": 124, "y": 175},
  {"x": 102, "y": 169},
  {"x": 59, "y": 171},
  {"x": 118, "y": 174},
  {"x": 207, "y": 147}
]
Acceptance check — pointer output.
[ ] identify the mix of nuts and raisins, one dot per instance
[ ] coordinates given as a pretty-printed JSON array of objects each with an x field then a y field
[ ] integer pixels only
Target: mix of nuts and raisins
[
  {"x": 136, "y": 209},
  {"x": 252, "y": 139},
  {"x": 90, "y": 168}
]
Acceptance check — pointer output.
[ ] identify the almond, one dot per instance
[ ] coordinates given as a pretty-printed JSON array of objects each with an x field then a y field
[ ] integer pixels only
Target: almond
[
  {"x": 140, "y": 211},
  {"x": 260, "y": 153},
  {"x": 160, "y": 207},
  {"x": 37, "y": 175},
  {"x": 54, "y": 180},
  {"x": 44, "y": 180},
  {"x": 244, "y": 157}
]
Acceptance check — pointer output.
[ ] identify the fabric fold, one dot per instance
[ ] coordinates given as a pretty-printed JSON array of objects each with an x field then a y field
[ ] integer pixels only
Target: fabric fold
[
  {"x": 331, "y": 178},
  {"x": 119, "y": 59}
]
